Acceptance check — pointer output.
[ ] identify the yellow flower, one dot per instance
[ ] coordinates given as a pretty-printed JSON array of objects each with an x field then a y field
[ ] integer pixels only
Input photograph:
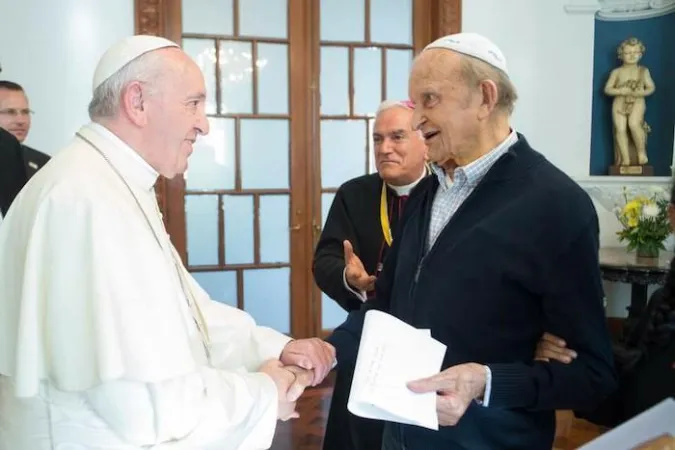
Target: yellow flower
[{"x": 632, "y": 206}]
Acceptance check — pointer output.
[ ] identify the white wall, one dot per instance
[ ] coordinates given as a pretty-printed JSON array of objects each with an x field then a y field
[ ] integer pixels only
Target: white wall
[
  {"x": 51, "y": 48},
  {"x": 550, "y": 59}
]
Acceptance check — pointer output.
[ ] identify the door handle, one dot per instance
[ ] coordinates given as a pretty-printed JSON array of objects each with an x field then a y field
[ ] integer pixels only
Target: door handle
[{"x": 295, "y": 227}]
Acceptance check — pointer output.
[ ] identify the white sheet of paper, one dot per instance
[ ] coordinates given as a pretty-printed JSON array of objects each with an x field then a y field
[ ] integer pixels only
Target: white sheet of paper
[
  {"x": 656, "y": 421},
  {"x": 391, "y": 354}
]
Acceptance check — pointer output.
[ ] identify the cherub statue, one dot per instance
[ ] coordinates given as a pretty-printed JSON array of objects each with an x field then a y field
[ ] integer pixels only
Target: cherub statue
[{"x": 629, "y": 85}]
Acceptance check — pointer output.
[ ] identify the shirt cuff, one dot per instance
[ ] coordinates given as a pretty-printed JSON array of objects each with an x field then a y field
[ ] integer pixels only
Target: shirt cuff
[
  {"x": 360, "y": 295},
  {"x": 488, "y": 388}
]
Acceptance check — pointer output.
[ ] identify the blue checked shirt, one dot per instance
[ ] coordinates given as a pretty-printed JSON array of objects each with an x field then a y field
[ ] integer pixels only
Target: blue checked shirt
[
  {"x": 452, "y": 193},
  {"x": 450, "y": 196}
]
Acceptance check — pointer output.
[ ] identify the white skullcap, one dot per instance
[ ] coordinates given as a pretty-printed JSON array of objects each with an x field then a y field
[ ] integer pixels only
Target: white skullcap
[
  {"x": 475, "y": 45},
  {"x": 125, "y": 51}
]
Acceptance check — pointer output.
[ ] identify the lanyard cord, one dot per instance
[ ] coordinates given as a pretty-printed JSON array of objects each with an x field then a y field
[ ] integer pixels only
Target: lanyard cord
[{"x": 384, "y": 216}]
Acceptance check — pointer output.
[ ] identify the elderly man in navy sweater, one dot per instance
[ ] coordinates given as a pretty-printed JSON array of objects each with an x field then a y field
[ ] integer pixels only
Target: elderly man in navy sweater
[{"x": 499, "y": 246}]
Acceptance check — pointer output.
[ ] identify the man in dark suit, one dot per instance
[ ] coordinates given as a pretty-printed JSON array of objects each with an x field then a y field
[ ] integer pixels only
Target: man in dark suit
[
  {"x": 495, "y": 247},
  {"x": 12, "y": 170},
  {"x": 15, "y": 117}
]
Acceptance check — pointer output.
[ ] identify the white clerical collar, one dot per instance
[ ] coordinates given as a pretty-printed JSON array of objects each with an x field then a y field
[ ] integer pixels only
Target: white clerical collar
[
  {"x": 130, "y": 164},
  {"x": 405, "y": 189}
]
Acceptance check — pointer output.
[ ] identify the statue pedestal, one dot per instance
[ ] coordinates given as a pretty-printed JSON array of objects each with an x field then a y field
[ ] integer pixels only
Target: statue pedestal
[{"x": 640, "y": 171}]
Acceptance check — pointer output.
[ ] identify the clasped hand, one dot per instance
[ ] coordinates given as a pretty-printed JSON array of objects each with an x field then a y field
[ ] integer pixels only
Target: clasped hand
[
  {"x": 312, "y": 354},
  {"x": 291, "y": 382}
]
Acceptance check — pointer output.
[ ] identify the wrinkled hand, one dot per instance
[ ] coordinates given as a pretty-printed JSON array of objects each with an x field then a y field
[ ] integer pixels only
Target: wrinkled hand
[
  {"x": 455, "y": 387},
  {"x": 355, "y": 272},
  {"x": 311, "y": 354},
  {"x": 288, "y": 391},
  {"x": 552, "y": 347}
]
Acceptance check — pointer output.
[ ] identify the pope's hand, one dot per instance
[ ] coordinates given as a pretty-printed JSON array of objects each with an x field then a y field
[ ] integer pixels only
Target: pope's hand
[
  {"x": 287, "y": 404},
  {"x": 303, "y": 378},
  {"x": 288, "y": 388},
  {"x": 455, "y": 387},
  {"x": 311, "y": 354},
  {"x": 355, "y": 272}
]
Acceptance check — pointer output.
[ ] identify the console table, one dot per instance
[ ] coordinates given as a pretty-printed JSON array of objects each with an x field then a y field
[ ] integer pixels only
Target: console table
[{"x": 616, "y": 264}]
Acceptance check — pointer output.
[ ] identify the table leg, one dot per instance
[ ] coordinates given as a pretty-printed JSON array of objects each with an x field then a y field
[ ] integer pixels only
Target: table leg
[{"x": 638, "y": 300}]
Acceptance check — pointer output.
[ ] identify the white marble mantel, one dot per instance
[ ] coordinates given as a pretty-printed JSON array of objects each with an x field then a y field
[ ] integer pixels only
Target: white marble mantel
[{"x": 605, "y": 192}]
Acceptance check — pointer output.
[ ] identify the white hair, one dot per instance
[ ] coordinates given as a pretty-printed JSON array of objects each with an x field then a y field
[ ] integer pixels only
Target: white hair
[
  {"x": 105, "y": 102},
  {"x": 390, "y": 104},
  {"x": 475, "y": 70}
]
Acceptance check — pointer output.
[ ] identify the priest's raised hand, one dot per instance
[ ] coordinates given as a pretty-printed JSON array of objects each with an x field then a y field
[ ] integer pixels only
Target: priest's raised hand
[
  {"x": 355, "y": 272},
  {"x": 311, "y": 354}
]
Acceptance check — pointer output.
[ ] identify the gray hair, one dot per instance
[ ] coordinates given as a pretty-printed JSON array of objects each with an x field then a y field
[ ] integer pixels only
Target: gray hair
[
  {"x": 146, "y": 69},
  {"x": 475, "y": 70}
]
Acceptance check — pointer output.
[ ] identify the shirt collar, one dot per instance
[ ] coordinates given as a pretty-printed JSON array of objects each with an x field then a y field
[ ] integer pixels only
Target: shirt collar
[
  {"x": 405, "y": 189},
  {"x": 125, "y": 159},
  {"x": 475, "y": 171}
]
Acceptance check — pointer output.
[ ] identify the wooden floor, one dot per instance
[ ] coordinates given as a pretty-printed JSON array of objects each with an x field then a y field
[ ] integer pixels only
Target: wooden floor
[{"x": 306, "y": 433}]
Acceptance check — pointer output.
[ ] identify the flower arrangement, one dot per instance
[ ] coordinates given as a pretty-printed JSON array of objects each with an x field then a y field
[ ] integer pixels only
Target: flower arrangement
[{"x": 644, "y": 219}]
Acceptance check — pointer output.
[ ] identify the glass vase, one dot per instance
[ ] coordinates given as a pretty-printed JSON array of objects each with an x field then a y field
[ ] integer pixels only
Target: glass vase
[{"x": 647, "y": 252}]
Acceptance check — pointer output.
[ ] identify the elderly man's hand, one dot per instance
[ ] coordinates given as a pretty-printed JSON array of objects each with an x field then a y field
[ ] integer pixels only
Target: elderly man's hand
[
  {"x": 312, "y": 354},
  {"x": 455, "y": 387}
]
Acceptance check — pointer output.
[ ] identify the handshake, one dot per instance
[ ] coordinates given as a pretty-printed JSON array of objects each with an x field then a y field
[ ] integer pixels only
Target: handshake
[{"x": 303, "y": 362}]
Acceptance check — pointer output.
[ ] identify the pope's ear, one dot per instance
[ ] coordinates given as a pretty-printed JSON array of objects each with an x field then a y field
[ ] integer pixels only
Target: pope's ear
[{"x": 132, "y": 103}]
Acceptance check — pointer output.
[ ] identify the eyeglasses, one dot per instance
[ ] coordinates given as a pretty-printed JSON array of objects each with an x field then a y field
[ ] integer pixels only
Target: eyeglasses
[{"x": 13, "y": 112}]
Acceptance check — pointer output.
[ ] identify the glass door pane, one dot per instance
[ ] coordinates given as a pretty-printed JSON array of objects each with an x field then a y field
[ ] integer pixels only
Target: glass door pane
[
  {"x": 238, "y": 184},
  {"x": 366, "y": 50}
]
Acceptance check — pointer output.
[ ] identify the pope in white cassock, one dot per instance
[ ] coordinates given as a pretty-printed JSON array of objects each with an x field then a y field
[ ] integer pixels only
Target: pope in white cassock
[{"x": 106, "y": 341}]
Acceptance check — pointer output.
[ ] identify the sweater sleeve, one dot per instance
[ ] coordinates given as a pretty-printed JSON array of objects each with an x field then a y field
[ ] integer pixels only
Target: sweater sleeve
[
  {"x": 329, "y": 258},
  {"x": 572, "y": 309}
]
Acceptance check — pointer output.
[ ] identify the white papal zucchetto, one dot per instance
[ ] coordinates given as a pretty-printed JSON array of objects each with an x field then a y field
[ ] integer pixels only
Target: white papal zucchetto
[{"x": 125, "y": 51}]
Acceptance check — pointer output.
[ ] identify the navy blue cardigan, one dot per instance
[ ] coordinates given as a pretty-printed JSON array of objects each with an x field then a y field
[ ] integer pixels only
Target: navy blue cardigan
[{"x": 518, "y": 258}]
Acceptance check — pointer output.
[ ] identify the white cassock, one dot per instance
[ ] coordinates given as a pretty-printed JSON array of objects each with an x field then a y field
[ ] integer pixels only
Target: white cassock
[{"x": 99, "y": 348}]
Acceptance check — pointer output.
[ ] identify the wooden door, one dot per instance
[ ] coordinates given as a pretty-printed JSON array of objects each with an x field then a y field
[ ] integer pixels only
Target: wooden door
[
  {"x": 245, "y": 203},
  {"x": 293, "y": 86}
]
